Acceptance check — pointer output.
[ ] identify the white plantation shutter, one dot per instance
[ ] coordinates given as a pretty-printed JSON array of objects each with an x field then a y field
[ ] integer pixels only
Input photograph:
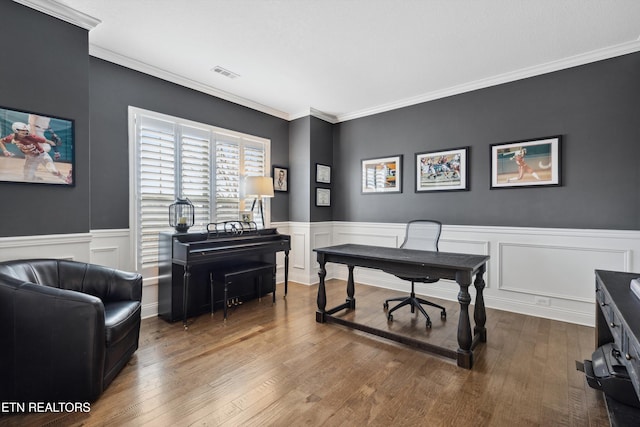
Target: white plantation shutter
[
  {"x": 196, "y": 172},
  {"x": 156, "y": 185},
  {"x": 171, "y": 158},
  {"x": 235, "y": 159},
  {"x": 254, "y": 165},
  {"x": 227, "y": 180}
]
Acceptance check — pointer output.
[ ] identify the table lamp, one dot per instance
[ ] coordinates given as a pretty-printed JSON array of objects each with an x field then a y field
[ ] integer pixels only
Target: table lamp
[{"x": 258, "y": 187}]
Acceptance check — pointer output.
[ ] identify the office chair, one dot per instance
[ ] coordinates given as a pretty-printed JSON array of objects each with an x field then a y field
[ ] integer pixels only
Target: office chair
[{"x": 423, "y": 235}]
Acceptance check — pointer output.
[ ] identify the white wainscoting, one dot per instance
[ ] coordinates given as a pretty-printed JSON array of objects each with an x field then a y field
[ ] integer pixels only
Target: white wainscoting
[{"x": 540, "y": 272}]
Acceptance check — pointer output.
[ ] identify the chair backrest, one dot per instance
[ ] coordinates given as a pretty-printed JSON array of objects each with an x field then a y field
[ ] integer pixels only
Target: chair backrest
[{"x": 422, "y": 234}]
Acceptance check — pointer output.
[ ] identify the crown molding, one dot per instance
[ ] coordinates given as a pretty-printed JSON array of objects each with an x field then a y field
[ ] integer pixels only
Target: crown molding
[
  {"x": 323, "y": 116},
  {"x": 134, "y": 64},
  {"x": 62, "y": 12},
  {"x": 315, "y": 113},
  {"x": 573, "y": 61}
]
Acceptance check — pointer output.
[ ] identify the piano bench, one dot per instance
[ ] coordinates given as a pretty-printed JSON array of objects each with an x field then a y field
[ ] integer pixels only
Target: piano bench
[{"x": 228, "y": 275}]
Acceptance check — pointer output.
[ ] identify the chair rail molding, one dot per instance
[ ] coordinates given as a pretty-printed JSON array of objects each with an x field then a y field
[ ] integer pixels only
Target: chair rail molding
[{"x": 544, "y": 272}]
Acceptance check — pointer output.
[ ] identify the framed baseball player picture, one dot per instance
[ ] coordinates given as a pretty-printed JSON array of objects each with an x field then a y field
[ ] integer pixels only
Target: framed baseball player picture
[{"x": 36, "y": 148}]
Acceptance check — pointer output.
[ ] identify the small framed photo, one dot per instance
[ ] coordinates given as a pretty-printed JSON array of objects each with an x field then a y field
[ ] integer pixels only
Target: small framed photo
[
  {"x": 246, "y": 216},
  {"x": 442, "y": 170},
  {"x": 280, "y": 178},
  {"x": 36, "y": 148},
  {"x": 323, "y": 173},
  {"x": 527, "y": 163},
  {"x": 382, "y": 175},
  {"x": 323, "y": 197}
]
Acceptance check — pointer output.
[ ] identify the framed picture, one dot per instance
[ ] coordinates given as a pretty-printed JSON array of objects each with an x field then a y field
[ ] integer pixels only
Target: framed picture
[
  {"x": 528, "y": 163},
  {"x": 442, "y": 170},
  {"x": 382, "y": 175},
  {"x": 246, "y": 216},
  {"x": 280, "y": 178},
  {"x": 323, "y": 173},
  {"x": 323, "y": 197},
  {"x": 36, "y": 148}
]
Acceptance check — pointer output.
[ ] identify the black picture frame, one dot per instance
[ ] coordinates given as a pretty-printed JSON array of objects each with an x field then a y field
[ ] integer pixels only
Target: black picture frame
[
  {"x": 382, "y": 175},
  {"x": 527, "y": 163},
  {"x": 280, "y": 176},
  {"x": 323, "y": 173},
  {"x": 442, "y": 170},
  {"x": 36, "y": 148},
  {"x": 323, "y": 197}
]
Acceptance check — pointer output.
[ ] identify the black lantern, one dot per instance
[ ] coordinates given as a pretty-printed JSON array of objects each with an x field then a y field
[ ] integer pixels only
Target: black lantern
[{"x": 181, "y": 215}]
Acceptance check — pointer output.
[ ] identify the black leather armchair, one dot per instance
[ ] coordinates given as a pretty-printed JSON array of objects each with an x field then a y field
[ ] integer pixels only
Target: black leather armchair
[{"x": 66, "y": 328}]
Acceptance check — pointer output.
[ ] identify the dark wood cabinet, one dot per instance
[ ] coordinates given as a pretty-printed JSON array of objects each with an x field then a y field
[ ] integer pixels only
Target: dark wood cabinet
[{"x": 618, "y": 322}]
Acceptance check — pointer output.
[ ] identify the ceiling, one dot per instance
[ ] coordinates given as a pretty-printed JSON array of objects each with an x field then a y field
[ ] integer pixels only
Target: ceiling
[{"x": 342, "y": 59}]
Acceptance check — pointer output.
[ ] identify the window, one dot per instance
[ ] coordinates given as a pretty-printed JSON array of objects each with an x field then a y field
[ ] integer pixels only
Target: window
[{"x": 172, "y": 157}]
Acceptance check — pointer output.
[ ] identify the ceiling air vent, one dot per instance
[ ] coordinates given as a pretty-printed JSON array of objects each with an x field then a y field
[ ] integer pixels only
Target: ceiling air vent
[{"x": 224, "y": 72}]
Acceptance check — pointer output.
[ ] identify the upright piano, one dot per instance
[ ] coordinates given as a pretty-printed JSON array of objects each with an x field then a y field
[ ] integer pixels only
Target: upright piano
[{"x": 188, "y": 260}]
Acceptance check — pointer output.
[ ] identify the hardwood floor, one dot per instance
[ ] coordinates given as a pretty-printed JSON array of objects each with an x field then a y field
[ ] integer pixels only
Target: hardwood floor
[{"x": 274, "y": 365}]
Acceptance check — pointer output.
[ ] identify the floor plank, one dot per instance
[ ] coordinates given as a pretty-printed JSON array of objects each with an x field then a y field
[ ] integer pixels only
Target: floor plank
[{"x": 274, "y": 365}]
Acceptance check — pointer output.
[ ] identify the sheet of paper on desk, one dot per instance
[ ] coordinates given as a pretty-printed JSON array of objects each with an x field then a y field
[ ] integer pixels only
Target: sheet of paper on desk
[{"x": 635, "y": 287}]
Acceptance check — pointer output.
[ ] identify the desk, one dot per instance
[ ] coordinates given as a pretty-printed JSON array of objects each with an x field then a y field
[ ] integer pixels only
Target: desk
[{"x": 408, "y": 263}]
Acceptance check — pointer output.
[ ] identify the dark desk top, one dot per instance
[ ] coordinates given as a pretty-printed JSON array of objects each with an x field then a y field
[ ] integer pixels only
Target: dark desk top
[{"x": 449, "y": 260}]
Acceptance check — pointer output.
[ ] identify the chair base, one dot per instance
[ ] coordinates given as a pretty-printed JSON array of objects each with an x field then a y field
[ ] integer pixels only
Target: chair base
[{"x": 414, "y": 302}]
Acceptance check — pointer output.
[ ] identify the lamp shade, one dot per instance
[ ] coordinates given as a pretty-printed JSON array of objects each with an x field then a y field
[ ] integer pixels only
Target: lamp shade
[{"x": 258, "y": 186}]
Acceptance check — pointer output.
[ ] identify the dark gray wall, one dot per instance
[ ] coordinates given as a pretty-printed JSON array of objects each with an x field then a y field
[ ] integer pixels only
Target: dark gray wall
[
  {"x": 299, "y": 170},
  {"x": 114, "y": 88},
  {"x": 321, "y": 152},
  {"x": 595, "y": 107},
  {"x": 45, "y": 70}
]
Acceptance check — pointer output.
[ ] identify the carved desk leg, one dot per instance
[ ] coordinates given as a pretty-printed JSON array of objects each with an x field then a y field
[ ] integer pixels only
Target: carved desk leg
[
  {"x": 465, "y": 355},
  {"x": 351, "y": 289},
  {"x": 322, "y": 295},
  {"x": 479, "y": 313}
]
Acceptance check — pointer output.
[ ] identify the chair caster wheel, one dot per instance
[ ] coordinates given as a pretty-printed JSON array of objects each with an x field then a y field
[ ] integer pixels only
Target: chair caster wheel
[
  {"x": 385, "y": 305},
  {"x": 428, "y": 324},
  {"x": 443, "y": 315},
  {"x": 390, "y": 318}
]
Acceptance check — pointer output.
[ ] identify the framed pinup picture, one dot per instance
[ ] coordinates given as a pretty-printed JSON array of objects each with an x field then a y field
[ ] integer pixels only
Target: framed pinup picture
[
  {"x": 323, "y": 173},
  {"x": 323, "y": 197},
  {"x": 36, "y": 148},
  {"x": 382, "y": 175},
  {"x": 280, "y": 178},
  {"x": 528, "y": 163},
  {"x": 442, "y": 170}
]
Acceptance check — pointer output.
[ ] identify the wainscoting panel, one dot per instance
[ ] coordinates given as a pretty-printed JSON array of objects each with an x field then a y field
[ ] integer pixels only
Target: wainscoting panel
[
  {"x": 60, "y": 246},
  {"x": 519, "y": 269},
  {"x": 541, "y": 272},
  {"x": 298, "y": 245}
]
